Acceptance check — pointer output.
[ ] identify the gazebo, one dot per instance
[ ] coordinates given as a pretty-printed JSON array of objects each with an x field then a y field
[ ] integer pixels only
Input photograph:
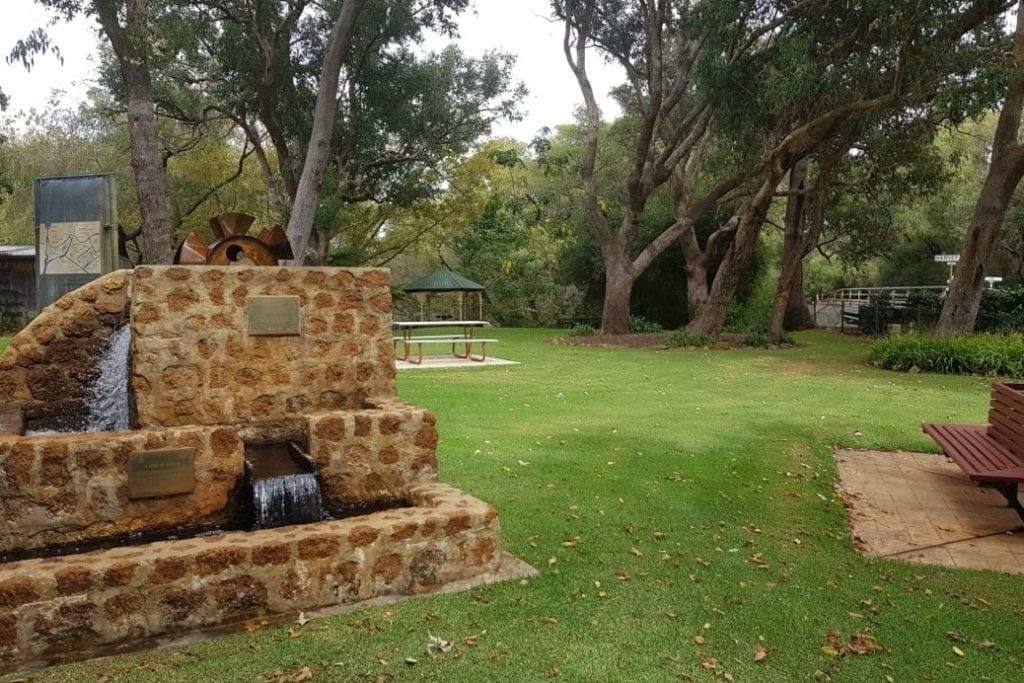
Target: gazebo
[{"x": 442, "y": 281}]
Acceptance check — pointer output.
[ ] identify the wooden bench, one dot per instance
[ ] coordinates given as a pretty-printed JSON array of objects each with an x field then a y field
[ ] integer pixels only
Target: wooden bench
[
  {"x": 993, "y": 454},
  {"x": 454, "y": 340}
]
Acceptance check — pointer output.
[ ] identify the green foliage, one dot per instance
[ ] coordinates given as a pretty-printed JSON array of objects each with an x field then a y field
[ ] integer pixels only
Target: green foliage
[
  {"x": 755, "y": 310},
  {"x": 640, "y": 325},
  {"x": 1001, "y": 310},
  {"x": 760, "y": 336},
  {"x": 984, "y": 354},
  {"x": 682, "y": 338},
  {"x": 518, "y": 262},
  {"x": 582, "y": 330}
]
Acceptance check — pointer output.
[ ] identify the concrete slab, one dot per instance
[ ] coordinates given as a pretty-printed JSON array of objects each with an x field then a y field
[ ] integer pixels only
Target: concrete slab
[
  {"x": 921, "y": 508},
  {"x": 435, "y": 362}
]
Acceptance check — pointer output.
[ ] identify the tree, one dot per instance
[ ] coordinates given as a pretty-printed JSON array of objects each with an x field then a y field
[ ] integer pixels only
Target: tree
[
  {"x": 1006, "y": 169},
  {"x": 771, "y": 80},
  {"x": 126, "y": 24},
  {"x": 401, "y": 114},
  {"x": 307, "y": 195}
]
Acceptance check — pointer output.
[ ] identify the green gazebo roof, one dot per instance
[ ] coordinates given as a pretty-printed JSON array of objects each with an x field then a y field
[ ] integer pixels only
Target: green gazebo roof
[{"x": 444, "y": 280}]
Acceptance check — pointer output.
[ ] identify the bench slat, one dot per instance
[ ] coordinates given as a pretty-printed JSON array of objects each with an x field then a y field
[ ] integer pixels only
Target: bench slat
[
  {"x": 970, "y": 445},
  {"x": 1004, "y": 429},
  {"x": 980, "y": 456},
  {"x": 973, "y": 444}
]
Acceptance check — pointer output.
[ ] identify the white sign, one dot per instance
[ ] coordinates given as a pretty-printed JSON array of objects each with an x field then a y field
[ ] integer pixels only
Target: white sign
[{"x": 947, "y": 258}]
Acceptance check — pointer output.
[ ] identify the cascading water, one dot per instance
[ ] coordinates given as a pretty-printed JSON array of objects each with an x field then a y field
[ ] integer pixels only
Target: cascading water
[
  {"x": 283, "y": 491},
  {"x": 108, "y": 408},
  {"x": 110, "y": 404},
  {"x": 291, "y": 499}
]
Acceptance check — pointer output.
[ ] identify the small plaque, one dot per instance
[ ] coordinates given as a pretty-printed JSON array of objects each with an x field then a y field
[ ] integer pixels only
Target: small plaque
[
  {"x": 163, "y": 472},
  {"x": 273, "y": 316}
]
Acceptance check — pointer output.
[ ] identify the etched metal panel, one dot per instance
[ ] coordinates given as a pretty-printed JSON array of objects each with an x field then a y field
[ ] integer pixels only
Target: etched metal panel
[
  {"x": 163, "y": 472},
  {"x": 277, "y": 316}
]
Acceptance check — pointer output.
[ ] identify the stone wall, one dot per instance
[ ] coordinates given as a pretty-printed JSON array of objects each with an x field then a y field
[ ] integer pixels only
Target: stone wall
[
  {"x": 67, "y": 489},
  {"x": 75, "y": 606},
  {"x": 194, "y": 361},
  {"x": 48, "y": 367},
  {"x": 373, "y": 455}
]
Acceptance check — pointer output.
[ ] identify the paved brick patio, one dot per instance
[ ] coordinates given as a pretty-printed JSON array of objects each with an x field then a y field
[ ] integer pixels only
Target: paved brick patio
[{"x": 919, "y": 507}]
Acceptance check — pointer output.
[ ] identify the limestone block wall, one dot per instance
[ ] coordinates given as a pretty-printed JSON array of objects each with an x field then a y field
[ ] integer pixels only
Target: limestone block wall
[
  {"x": 48, "y": 367},
  {"x": 195, "y": 362},
  {"x": 69, "y": 489},
  {"x": 373, "y": 455},
  {"x": 73, "y": 606}
]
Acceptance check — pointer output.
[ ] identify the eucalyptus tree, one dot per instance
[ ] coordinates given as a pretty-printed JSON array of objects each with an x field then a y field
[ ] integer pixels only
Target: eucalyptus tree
[
  {"x": 843, "y": 199},
  {"x": 399, "y": 112},
  {"x": 771, "y": 80},
  {"x": 960, "y": 310},
  {"x": 127, "y": 27}
]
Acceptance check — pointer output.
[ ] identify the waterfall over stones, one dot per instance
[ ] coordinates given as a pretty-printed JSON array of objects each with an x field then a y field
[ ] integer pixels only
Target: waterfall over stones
[
  {"x": 110, "y": 403},
  {"x": 284, "y": 490}
]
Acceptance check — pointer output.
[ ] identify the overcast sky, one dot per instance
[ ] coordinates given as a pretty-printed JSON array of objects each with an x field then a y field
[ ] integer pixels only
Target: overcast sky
[{"x": 520, "y": 27}]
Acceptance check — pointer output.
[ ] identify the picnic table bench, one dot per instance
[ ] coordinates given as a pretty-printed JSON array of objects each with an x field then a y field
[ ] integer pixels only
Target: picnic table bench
[
  {"x": 993, "y": 454},
  {"x": 466, "y": 340}
]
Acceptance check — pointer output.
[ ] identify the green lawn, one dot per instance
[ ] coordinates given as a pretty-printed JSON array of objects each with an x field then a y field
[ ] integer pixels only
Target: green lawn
[{"x": 680, "y": 508}]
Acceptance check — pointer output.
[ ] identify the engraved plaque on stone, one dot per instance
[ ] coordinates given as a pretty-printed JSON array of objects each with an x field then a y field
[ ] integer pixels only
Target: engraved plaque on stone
[
  {"x": 163, "y": 472},
  {"x": 273, "y": 316}
]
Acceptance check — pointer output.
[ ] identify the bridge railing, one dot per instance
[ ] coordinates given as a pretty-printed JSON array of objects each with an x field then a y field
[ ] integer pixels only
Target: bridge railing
[{"x": 863, "y": 295}]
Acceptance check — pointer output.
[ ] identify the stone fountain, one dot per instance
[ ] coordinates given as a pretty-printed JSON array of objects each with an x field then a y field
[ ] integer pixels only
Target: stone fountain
[{"x": 259, "y": 461}]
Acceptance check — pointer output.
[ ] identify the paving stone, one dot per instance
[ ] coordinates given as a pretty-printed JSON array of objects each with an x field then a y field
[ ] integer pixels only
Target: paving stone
[{"x": 921, "y": 508}]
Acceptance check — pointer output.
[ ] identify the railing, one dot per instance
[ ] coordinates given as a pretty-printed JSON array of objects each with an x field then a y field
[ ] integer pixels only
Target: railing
[{"x": 863, "y": 295}]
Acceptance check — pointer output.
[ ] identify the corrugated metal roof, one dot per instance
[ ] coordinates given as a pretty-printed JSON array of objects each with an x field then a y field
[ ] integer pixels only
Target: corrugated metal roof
[
  {"x": 17, "y": 251},
  {"x": 444, "y": 280}
]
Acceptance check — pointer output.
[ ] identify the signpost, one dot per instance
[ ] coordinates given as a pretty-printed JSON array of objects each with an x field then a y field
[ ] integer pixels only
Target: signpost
[
  {"x": 951, "y": 259},
  {"x": 992, "y": 280}
]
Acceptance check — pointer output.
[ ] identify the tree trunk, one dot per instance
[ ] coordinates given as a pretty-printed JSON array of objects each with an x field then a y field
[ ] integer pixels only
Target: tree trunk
[
  {"x": 792, "y": 249},
  {"x": 798, "y": 315},
  {"x": 307, "y": 197},
  {"x": 618, "y": 288},
  {"x": 750, "y": 217},
  {"x": 130, "y": 45},
  {"x": 960, "y": 310},
  {"x": 695, "y": 269}
]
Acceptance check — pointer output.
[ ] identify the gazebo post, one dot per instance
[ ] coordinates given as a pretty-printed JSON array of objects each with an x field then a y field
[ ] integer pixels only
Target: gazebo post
[
  {"x": 480, "y": 302},
  {"x": 462, "y": 305}
]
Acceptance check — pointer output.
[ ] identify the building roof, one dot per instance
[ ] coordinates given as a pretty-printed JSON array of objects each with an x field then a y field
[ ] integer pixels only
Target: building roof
[
  {"x": 444, "y": 280},
  {"x": 17, "y": 252}
]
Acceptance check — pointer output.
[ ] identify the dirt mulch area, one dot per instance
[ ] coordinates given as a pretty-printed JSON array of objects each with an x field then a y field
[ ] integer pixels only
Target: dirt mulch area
[
  {"x": 617, "y": 341},
  {"x": 646, "y": 341}
]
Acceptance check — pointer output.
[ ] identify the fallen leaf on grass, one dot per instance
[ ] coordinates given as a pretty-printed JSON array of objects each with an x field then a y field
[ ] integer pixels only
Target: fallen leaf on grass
[
  {"x": 302, "y": 620},
  {"x": 438, "y": 645},
  {"x": 957, "y": 651},
  {"x": 254, "y": 624},
  {"x": 760, "y": 653},
  {"x": 303, "y": 674},
  {"x": 699, "y": 640},
  {"x": 861, "y": 643}
]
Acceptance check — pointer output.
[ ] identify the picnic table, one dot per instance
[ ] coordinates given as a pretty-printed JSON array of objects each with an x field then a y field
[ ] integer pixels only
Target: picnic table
[{"x": 464, "y": 341}]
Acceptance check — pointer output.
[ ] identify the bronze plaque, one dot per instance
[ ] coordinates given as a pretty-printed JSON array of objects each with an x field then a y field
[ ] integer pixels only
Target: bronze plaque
[
  {"x": 276, "y": 316},
  {"x": 163, "y": 472}
]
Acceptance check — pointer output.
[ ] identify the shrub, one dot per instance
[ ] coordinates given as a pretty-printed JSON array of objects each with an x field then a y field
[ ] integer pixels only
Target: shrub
[
  {"x": 582, "y": 330},
  {"x": 685, "y": 338},
  {"x": 761, "y": 336},
  {"x": 983, "y": 354},
  {"x": 641, "y": 325}
]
